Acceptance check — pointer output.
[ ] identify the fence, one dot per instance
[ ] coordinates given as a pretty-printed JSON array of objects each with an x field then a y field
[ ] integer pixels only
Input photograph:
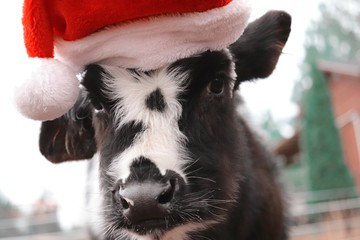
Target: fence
[
  {"x": 326, "y": 220},
  {"x": 44, "y": 225}
]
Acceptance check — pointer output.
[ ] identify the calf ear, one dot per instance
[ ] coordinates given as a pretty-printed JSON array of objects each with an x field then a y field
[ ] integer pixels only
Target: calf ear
[
  {"x": 257, "y": 51},
  {"x": 70, "y": 137}
]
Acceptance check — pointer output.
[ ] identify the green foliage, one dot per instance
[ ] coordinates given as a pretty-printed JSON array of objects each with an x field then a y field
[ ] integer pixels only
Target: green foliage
[
  {"x": 271, "y": 128},
  {"x": 332, "y": 39},
  {"x": 333, "y": 36},
  {"x": 294, "y": 176},
  {"x": 5, "y": 206},
  {"x": 320, "y": 140},
  {"x": 329, "y": 38}
]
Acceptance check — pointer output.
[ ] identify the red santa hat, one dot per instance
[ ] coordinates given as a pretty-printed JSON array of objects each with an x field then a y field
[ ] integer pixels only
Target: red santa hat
[{"x": 63, "y": 36}]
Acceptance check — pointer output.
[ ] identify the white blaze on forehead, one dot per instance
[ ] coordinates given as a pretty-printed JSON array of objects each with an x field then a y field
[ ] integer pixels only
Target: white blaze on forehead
[
  {"x": 132, "y": 90},
  {"x": 162, "y": 141}
]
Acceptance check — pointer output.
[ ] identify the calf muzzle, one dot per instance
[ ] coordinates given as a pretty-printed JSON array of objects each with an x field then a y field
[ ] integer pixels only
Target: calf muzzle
[{"x": 147, "y": 201}]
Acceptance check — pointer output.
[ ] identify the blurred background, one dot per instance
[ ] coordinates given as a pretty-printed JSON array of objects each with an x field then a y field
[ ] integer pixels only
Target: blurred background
[{"x": 307, "y": 112}]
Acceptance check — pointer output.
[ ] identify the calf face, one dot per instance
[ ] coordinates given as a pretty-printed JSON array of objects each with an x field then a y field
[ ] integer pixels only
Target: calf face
[{"x": 176, "y": 161}]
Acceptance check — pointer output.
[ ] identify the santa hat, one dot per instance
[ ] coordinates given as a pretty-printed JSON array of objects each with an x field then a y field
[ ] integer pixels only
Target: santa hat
[{"x": 63, "y": 36}]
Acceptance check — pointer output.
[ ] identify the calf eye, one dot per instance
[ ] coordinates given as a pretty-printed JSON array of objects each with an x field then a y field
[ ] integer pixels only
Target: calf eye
[{"x": 216, "y": 86}]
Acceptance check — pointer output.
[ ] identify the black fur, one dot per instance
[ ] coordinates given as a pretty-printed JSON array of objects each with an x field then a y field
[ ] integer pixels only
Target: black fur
[
  {"x": 70, "y": 136},
  {"x": 258, "y": 50},
  {"x": 155, "y": 101},
  {"x": 231, "y": 179}
]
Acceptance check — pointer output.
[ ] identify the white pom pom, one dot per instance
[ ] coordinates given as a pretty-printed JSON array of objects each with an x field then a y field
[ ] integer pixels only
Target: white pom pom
[{"x": 49, "y": 91}]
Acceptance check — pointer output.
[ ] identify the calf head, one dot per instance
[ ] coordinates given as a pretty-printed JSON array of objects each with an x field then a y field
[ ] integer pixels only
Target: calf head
[{"x": 172, "y": 150}]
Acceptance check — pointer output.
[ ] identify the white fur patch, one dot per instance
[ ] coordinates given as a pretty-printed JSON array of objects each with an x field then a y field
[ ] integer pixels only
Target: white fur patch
[
  {"x": 178, "y": 233},
  {"x": 94, "y": 205},
  {"x": 233, "y": 74},
  {"x": 162, "y": 141}
]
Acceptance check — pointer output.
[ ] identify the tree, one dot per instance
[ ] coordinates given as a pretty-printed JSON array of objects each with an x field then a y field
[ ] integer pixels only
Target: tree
[
  {"x": 331, "y": 39},
  {"x": 271, "y": 129},
  {"x": 8, "y": 212},
  {"x": 333, "y": 36},
  {"x": 5, "y": 207},
  {"x": 320, "y": 140}
]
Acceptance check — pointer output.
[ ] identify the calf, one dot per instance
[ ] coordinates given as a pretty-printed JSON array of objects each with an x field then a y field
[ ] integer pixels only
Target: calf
[{"x": 176, "y": 159}]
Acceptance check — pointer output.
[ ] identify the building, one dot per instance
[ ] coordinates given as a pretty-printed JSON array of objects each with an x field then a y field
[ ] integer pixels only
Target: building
[{"x": 343, "y": 81}]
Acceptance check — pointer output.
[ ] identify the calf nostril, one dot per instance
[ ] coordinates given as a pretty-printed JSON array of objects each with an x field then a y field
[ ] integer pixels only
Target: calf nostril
[
  {"x": 124, "y": 203},
  {"x": 167, "y": 195}
]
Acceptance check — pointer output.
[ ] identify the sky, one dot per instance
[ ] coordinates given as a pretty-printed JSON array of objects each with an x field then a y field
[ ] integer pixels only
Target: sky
[{"x": 25, "y": 174}]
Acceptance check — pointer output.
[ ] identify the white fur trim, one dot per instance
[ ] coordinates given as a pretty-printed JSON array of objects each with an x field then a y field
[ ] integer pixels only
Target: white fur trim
[
  {"x": 50, "y": 89},
  {"x": 155, "y": 42}
]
